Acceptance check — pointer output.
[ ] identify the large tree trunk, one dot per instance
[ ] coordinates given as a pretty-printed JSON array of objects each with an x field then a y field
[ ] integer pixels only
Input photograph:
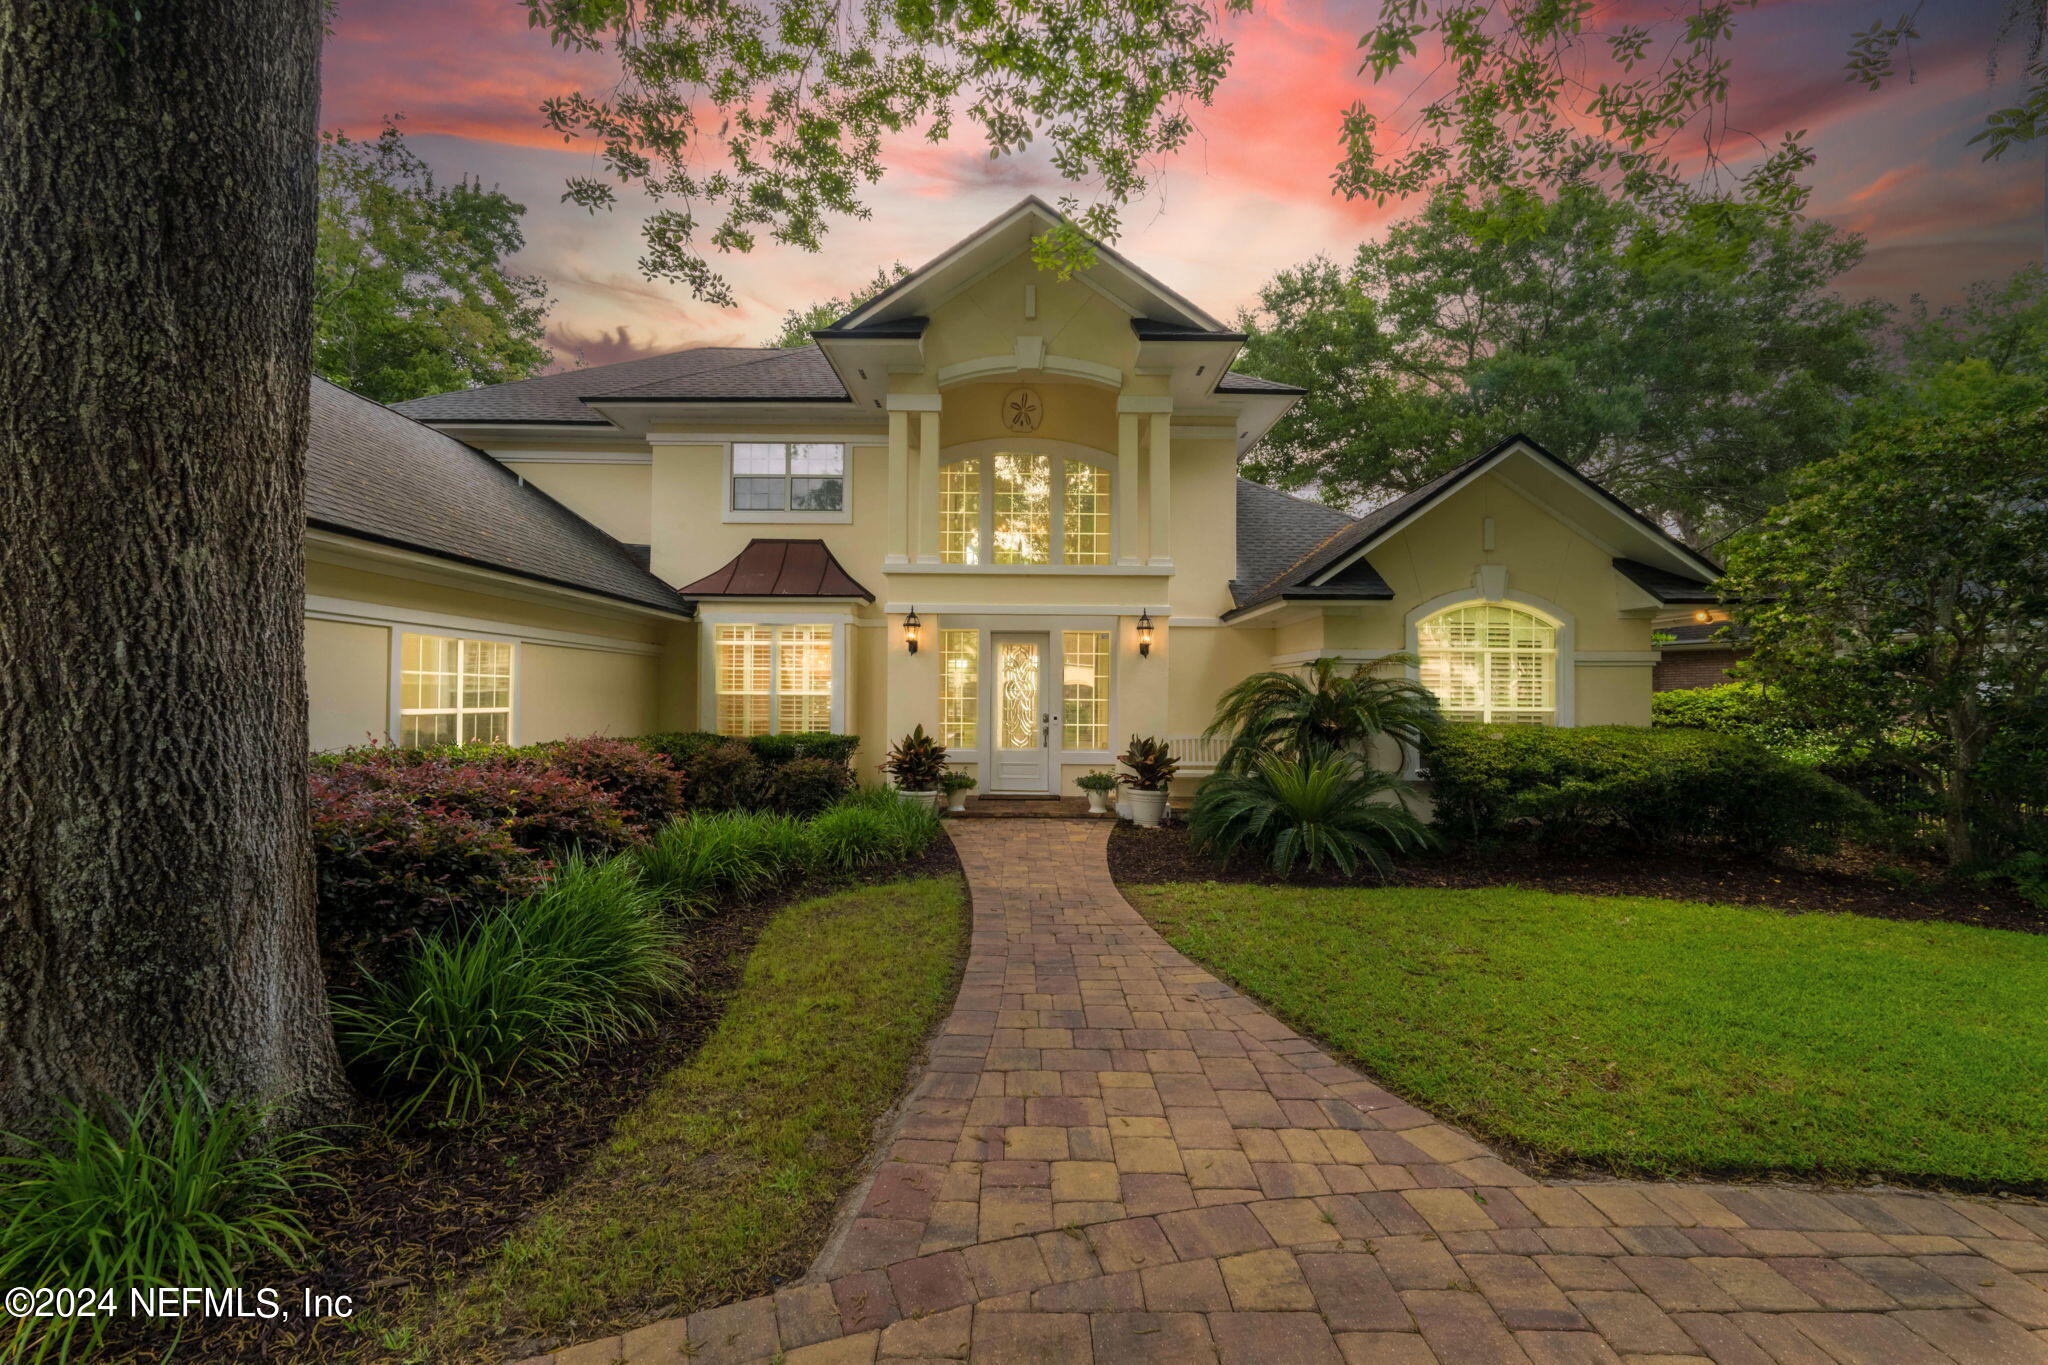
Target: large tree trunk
[{"x": 156, "y": 233}]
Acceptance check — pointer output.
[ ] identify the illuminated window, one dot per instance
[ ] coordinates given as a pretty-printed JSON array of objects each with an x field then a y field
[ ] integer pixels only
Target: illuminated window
[
  {"x": 1487, "y": 661},
  {"x": 960, "y": 512},
  {"x": 1020, "y": 508},
  {"x": 798, "y": 477},
  {"x": 1023, "y": 509},
  {"x": 1085, "y": 524},
  {"x": 454, "y": 691},
  {"x": 1084, "y": 689},
  {"x": 960, "y": 688},
  {"x": 772, "y": 679}
]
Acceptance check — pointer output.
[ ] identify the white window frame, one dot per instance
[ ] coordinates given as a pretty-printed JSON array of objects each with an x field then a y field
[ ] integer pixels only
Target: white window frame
[
  {"x": 1120, "y": 647},
  {"x": 399, "y": 710},
  {"x": 1056, "y": 452},
  {"x": 707, "y": 659},
  {"x": 785, "y": 516},
  {"x": 1564, "y": 713}
]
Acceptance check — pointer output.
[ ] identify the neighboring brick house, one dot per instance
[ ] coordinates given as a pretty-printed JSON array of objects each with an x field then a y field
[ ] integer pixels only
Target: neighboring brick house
[{"x": 1700, "y": 655}]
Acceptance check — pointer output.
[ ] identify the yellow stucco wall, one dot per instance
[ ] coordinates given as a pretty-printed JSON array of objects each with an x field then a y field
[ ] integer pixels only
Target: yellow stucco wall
[
  {"x": 632, "y": 675},
  {"x": 613, "y": 497},
  {"x": 348, "y": 683}
]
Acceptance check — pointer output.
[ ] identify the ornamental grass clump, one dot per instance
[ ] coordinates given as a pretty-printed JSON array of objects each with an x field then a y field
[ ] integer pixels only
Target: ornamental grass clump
[
  {"x": 694, "y": 864},
  {"x": 522, "y": 992},
  {"x": 1330, "y": 809},
  {"x": 179, "y": 1188},
  {"x": 872, "y": 826}
]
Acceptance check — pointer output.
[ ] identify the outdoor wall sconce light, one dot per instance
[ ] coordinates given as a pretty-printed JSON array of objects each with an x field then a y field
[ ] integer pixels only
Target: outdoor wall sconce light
[
  {"x": 1144, "y": 634},
  {"x": 910, "y": 629}
]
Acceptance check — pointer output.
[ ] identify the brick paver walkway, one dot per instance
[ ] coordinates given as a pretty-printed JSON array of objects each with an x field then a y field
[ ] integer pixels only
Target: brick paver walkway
[{"x": 1116, "y": 1158}]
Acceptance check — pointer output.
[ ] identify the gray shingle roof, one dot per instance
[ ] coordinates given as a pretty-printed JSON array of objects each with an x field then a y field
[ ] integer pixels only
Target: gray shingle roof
[
  {"x": 1274, "y": 529},
  {"x": 1665, "y": 585},
  {"x": 797, "y": 372},
  {"x": 559, "y": 397},
  {"x": 378, "y": 474}
]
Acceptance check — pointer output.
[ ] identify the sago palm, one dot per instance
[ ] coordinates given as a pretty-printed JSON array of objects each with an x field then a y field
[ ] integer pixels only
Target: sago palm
[
  {"x": 1327, "y": 707},
  {"x": 1292, "y": 811}
]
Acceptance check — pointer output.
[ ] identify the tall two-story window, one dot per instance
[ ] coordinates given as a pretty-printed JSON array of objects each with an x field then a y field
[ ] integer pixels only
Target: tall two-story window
[
  {"x": 788, "y": 476},
  {"x": 1488, "y": 661},
  {"x": 772, "y": 679},
  {"x": 453, "y": 690},
  {"x": 1023, "y": 508}
]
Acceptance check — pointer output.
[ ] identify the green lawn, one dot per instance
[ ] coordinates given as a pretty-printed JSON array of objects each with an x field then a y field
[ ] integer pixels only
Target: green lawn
[
  {"x": 1658, "y": 1037},
  {"x": 726, "y": 1175}
]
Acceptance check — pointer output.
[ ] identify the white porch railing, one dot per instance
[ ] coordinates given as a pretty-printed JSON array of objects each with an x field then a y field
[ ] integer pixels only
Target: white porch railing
[{"x": 1197, "y": 753}]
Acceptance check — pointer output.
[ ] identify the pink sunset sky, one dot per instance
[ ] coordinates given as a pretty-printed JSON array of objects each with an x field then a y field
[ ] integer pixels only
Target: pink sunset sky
[{"x": 1249, "y": 196}]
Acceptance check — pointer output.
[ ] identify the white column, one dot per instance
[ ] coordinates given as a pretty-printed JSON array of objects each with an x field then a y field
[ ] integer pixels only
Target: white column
[
  {"x": 1162, "y": 488},
  {"x": 1126, "y": 491},
  {"x": 928, "y": 487},
  {"x": 897, "y": 550}
]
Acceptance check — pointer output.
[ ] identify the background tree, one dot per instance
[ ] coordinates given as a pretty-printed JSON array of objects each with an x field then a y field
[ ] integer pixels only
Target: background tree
[
  {"x": 156, "y": 233},
  {"x": 1687, "y": 362},
  {"x": 1551, "y": 93},
  {"x": 799, "y": 323},
  {"x": 803, "y": 96},
  {"x": 1986, "y": 356},
  {"x": 411, "y": 294},
  {"x": 1906, "y": 584}
]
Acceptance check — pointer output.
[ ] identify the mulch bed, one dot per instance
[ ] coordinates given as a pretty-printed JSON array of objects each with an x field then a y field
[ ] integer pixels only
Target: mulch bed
[
  {"x": 411, "y": 1211},
  {"x": 1842, "y": 884}
]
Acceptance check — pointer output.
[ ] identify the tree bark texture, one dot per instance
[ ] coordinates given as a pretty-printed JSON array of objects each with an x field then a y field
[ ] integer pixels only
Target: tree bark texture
[{"x": 157, "y": 189}]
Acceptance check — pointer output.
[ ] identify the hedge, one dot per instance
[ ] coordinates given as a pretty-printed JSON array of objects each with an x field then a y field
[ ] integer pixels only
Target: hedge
[{"x": 1617, "y": 786}]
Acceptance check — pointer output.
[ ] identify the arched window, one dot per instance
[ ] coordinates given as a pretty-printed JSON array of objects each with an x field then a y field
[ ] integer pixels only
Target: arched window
[
  {"x": 1490, "y": 661},
  {"x": 1022, "y": 507}
]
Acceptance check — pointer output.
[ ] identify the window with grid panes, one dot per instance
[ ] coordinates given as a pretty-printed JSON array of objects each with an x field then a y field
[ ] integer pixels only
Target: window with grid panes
[
  {"x": 772, "y": 679},
  {"x": 788, "y": 476},
  {"x": 1084, "y": 689},
  {"x": 960, "y": 688},
  {"x": 453, "y": 690},
  {"x": 1001, "y": 509},
  {"x": 1488, "y": 661}
]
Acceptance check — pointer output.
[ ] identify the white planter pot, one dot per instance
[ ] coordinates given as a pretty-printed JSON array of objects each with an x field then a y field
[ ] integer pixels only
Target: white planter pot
[
  {"x": 929, "y": 800},
  {"x": 1096, "y": 805},
  {"x": 1147, "y": 807},
  {"x": 956, "y": 802},
  {"x": 1123, "y": 805}
]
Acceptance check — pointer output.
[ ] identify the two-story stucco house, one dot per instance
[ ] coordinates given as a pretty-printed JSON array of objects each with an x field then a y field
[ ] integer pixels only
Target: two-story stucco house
[{"x": 992, "y": 502}]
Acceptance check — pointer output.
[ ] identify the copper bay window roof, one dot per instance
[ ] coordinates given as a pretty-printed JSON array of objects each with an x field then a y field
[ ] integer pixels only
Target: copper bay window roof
[{"x": 779, "y": 568}]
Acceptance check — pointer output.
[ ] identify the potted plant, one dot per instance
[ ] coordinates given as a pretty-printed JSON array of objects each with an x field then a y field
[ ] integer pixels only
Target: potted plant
[
  {"x": 917, "y": 763},
  {"x": 956, "y": 785},
  {"x": 1152, "y": 767},
  {"x": 1098, "y": 786}
]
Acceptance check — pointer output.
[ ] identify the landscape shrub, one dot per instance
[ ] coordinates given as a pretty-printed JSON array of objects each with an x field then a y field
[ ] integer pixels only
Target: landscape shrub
[
  {"x": 389, "y": 866},
  {"x": 807, "y": 786},
  {"x": 178, "y": 1188},
  {"x": 872, "y": 826},
  {"x": 727, "y": 776},
  {"x": 1621, "y": 786},
  {"x": 647, "y": 786},
  {"x": 549, "y": 812},
  {"x": 694, "y": 863},
  {"x": 1329, "y": 808},
  {"x": 522, "y": 991}
]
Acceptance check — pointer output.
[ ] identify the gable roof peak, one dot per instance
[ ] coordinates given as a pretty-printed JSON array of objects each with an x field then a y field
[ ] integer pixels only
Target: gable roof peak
[{"x": 1004, "y": 236}]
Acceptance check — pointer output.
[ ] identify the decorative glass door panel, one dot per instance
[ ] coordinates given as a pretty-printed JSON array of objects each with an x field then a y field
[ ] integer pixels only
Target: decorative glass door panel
[{"x": 1023, "y": 724}]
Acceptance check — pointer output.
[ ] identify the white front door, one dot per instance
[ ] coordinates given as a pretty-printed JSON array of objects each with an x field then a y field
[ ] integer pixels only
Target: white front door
[{"x": 1023, "y": 713}]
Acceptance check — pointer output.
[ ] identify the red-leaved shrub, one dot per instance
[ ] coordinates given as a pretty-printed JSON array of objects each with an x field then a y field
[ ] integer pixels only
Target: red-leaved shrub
[
  {"x": 548, "y": 812},
  {"x": 648, "y": 788},
  {"x": 390, "y": 867}
]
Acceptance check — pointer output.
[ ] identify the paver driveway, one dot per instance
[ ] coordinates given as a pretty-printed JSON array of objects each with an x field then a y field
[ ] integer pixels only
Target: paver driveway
[{"x": 1116, "y": 1158}]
